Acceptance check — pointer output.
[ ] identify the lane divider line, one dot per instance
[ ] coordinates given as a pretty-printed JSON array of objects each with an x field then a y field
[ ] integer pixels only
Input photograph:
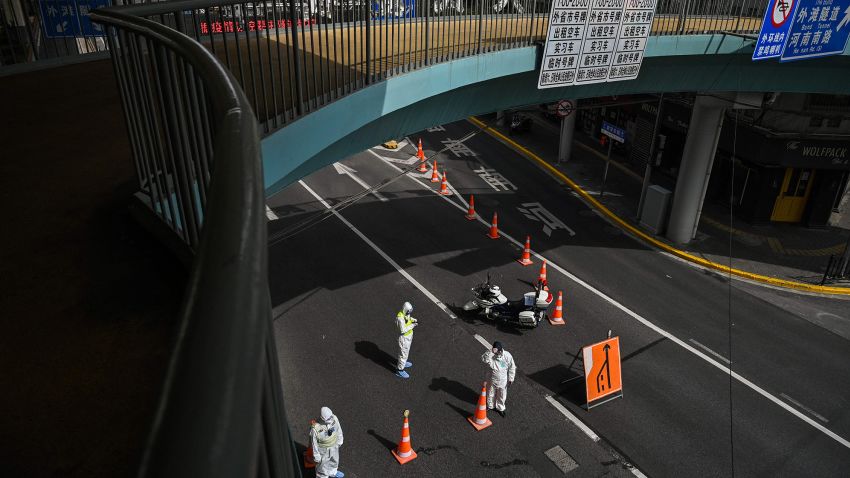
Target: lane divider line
[
  {"x": 793, "y": 411},
  {"x": 483, "y": 341},
  {"x": 712, "y": 352},
  {"x": 787, "y": 284},
  {"x": 270, "y": 214},
  {"x": 812, "y": 412},
  {"x": 380, "y": 252}
]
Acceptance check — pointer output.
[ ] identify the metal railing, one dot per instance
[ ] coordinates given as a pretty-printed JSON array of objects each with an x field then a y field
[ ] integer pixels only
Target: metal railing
[{"x": 196, "y": 146}]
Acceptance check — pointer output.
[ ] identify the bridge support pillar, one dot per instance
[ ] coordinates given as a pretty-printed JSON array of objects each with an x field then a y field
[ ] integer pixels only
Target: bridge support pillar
[{"x": 695, "y": 168}]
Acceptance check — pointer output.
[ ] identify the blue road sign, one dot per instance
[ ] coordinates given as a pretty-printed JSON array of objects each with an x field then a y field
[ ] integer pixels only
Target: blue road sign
[
  {"x": 70, "y": 18},
  {"x": 774, "y": 28},
  {"x": 614, "y": 132},
  {"x": 820, "y": 28}
]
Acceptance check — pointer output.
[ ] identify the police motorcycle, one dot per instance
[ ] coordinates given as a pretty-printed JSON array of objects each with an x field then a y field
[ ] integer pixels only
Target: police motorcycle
[{"x": 525, "y": 312}]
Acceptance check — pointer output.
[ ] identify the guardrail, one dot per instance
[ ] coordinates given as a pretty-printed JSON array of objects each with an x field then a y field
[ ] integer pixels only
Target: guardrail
[{"x": 196, "y": 146}]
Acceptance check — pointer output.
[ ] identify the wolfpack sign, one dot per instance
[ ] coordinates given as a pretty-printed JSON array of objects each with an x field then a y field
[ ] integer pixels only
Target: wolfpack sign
[{"x": 800, "y": 29}]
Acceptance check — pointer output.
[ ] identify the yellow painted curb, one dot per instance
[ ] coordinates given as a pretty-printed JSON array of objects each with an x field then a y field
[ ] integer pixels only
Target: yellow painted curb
[{"x": 651, "y": 240}]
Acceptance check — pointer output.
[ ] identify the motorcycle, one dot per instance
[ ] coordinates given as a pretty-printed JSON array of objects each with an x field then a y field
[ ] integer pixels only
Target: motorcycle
[{"x": 525, "y": 312}]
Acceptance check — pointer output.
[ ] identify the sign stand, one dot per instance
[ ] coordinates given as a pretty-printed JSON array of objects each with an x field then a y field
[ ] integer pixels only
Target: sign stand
[{"x": 616, "y": 134}]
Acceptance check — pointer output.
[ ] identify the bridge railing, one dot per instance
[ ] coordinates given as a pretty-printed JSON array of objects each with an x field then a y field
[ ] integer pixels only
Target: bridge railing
[{"x": 195, "y": 141}]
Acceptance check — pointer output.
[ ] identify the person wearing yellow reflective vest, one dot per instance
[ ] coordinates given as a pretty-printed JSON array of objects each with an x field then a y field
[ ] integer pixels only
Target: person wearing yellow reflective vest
[
  {"x": 405, "y": 324},
  {"x": 326, "y": 438}
]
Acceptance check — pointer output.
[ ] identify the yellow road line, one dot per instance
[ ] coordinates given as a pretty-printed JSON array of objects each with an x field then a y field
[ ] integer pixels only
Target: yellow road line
[{"x": 649, "y": 239}]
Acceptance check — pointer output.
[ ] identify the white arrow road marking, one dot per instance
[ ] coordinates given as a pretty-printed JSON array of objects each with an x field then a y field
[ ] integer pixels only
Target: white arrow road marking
[
  {"x": 844, "y": 20},
  {"x": 634, "y": 315},
  {"x": 348, "y": 171},
  {"x": 270, "y": 214}
]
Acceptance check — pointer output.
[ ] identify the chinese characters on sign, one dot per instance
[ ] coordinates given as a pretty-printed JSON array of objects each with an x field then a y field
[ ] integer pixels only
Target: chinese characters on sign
[
  {"x": 594, "y": 41},
  {"x": 774, "y": 29},
  {"x": 820, "y": 28},
  {"x": 70, "y": 18},
  {"x": 494, "y": 179},
  {"x": 230, "y": 26}
]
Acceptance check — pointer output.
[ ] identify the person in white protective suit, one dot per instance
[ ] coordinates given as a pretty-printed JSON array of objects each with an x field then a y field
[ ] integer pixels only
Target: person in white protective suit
[
  {"x": 326, "y": 438},
  {"x": 405, "y": 324},
  {"x": 502, "y": 374}
]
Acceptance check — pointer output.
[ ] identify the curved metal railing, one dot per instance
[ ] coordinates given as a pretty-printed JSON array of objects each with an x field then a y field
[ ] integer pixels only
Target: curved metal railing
[{"x": 195, "y": 141}]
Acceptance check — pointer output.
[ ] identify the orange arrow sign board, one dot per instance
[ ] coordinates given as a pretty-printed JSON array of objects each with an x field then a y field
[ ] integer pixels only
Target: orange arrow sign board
[{"x": 602, "y": 377}]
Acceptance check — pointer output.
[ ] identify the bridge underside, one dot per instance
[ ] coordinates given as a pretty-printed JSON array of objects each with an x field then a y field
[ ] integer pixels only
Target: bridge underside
[{"x": 508, "y": 79}]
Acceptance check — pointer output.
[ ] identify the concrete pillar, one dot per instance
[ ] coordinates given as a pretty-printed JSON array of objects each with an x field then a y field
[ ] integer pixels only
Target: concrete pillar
[
  {"x": 695, "y": 168},
  {"x": 500, "y": 118},
  {"x": 565, "y": 144}
]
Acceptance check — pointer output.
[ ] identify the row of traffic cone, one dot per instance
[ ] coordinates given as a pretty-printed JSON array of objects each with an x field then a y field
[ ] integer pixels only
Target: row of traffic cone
[{"x": 493, "y": 233}]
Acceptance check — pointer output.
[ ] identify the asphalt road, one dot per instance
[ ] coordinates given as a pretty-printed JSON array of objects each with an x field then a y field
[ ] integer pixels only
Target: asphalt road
[{"x": 335, "y": 298}]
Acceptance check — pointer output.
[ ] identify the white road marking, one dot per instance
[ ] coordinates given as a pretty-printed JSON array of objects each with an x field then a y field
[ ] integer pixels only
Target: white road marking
[
  {"x": 380, "y": 252},
  {"x": 483, "y": 341},
  {"x": 401, "y": 145},
  {"x": 596, "y": 193},
  {"x": 793, "y": 411},
  {"x": 407, "y": 162},
  {"x": 558, "y": 406},
  {"x": 270, "y": 214},
  {"x": 814, "y": 413},
  {"x": 712, "y": 352},
  {"x": 349, "y": 171}
]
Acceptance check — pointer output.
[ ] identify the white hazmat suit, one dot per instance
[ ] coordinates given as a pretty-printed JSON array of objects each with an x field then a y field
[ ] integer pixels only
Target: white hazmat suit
[
  {"x": 502, "y": 372},
  {"x": 405, "y": 324},
  {"x": 326, "y": 438}
]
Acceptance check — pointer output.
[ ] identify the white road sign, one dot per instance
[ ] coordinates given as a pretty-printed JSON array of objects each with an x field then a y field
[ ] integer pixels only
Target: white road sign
[{"x": 594, "y": 41}]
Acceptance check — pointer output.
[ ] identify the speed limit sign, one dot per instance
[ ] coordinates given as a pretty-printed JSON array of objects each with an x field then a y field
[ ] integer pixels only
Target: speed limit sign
[{"x": 564, "y": 108}]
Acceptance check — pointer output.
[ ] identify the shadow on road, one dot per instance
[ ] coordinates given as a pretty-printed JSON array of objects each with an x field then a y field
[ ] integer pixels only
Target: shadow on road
[
  {"x": 460, "y": 411},
  {"x": 389, "y": 444},
  {"x": 372, "y": 352},
  {"x": 453, "y": 388},
  {"x": 562, "y": 381}
]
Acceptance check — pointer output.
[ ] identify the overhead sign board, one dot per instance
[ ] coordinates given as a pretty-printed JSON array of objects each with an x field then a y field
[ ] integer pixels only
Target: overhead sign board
[
  {"x": 820, "y": 28},
  {"x": 602, "y": 378},
  {"x": 70, "y": 18},
  {"x": 594, "y": 41},
  {"x": 778, "y": 18},
  {"x": 614, "y": 132}
]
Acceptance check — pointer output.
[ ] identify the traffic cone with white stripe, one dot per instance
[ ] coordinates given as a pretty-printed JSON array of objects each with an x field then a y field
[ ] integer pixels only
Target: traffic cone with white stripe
[
  {"x": 480, "y": 420},
  {"x": 309, "y": 461},
  {"x": 494, "y": 227},
  {"x": 525, "y": 259},
  {"x": 435, "y": 176},
  {"x": 542, "y": 277},
  {"x": 423, "y": 165},
  {"x": 557, "y": 318},
  {"x": 404, "y": 452},
  {"x": 470, "y": 213},
  {"x": 419, "y": 153},
  {"x": 444, "y": 186}
]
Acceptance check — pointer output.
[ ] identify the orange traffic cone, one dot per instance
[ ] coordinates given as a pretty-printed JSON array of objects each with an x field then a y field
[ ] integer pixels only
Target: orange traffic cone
[
  {"x": 309, "y": 461},
  {"x": 558, "y": 317},
  {"x": 494, "y": 227},
  {"x": 525, "y": 259},
  {"x": 423, "y": 166},
  {"x": 419, "y": 153},
  {"x": 480, "y": 420},
  {"x": 444, "y": 186},
  {"x": 404, "y": 452},
  {"x": 542, "y": 277},
  {"x": 470, "y": 214},
  {"x": 435, "y": 176}
]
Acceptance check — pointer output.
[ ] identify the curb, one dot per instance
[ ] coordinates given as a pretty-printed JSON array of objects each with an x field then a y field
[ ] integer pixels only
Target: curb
[{"x": 782, "y": 283}]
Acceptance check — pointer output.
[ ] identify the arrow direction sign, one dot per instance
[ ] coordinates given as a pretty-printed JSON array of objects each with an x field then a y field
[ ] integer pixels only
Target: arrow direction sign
[
  {"x": 602, "y": 373},
  {"x": 348, "y": 171}
]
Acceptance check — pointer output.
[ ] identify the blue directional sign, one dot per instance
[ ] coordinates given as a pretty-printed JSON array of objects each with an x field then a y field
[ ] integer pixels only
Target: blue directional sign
[
  {"x": 820, "y": 28},
  {"x": 70, "y": 18},
  {"x": 774, "y": 28},
  {"x": 614, "y": 132}
]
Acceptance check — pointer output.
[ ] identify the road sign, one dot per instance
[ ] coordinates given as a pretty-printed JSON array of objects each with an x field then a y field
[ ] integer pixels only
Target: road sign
[
  {"x": 614, "y": 132},
  {"x": 602, "y": 378},
  {"x": 70, "y": 18},
  {"x": 594, "y": 41},
  {"x": 564, "y": 108},
  {"x": 778, "y": 18},
  {"x": 820, "y": 28}
]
